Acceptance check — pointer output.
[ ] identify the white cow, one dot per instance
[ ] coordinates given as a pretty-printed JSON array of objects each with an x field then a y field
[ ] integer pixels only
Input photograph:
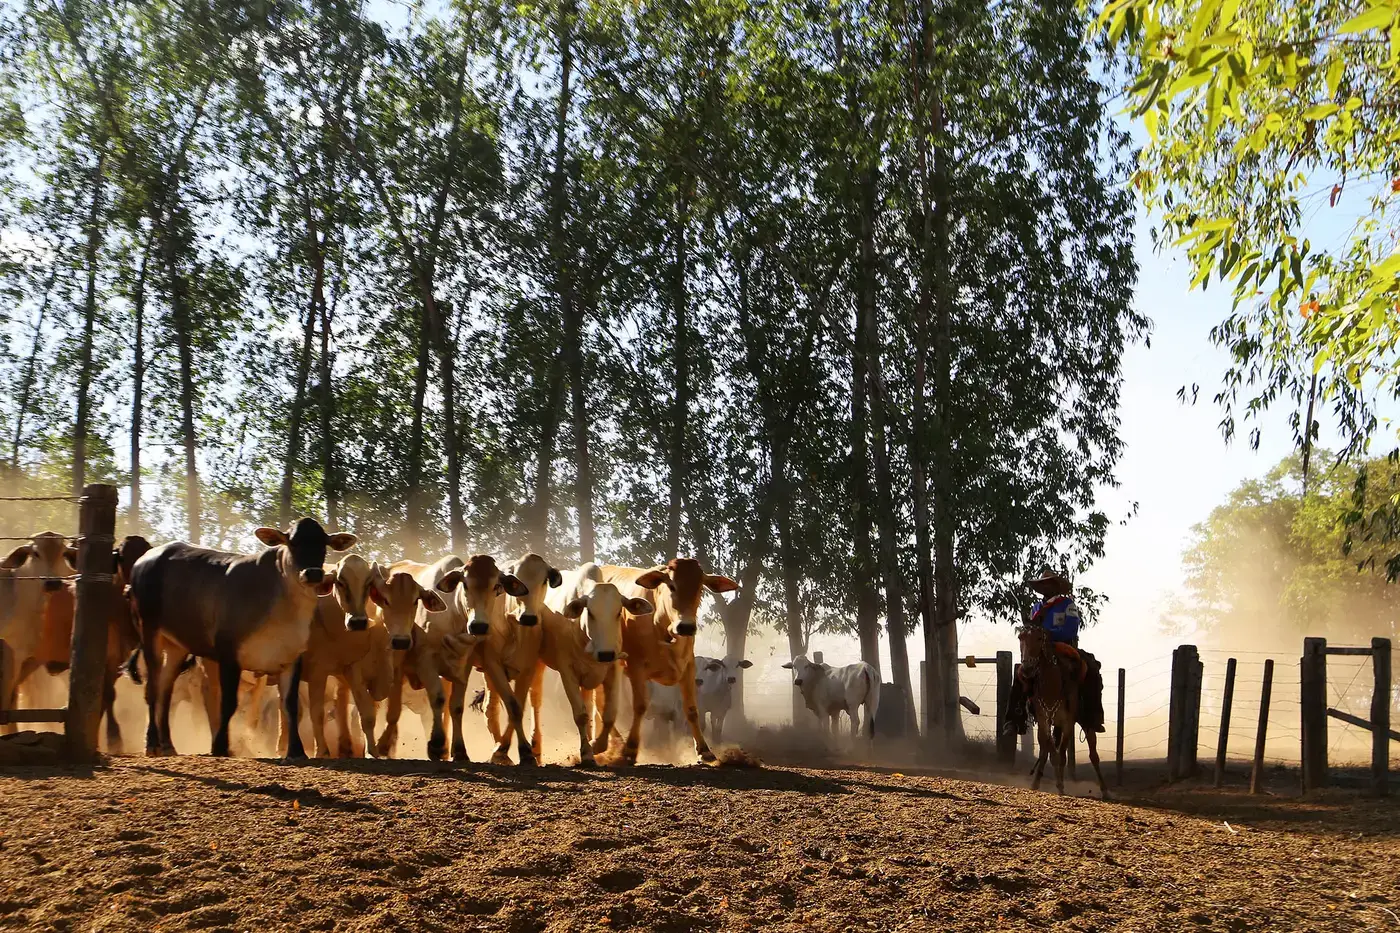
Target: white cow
[
  {"x": 830, "y": 691},
  {"x": 714, "y": 690}
]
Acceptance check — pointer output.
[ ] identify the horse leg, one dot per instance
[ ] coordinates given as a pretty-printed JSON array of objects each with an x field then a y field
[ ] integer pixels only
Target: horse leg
[
  {"x": 1092, "y": 740},
  {"x": 1043, "y": 735},
  {"x": 1061, "y": 754}
]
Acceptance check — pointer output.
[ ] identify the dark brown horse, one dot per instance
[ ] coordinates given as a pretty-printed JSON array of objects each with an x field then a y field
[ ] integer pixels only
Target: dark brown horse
[{"x": 1054, "y": 679}]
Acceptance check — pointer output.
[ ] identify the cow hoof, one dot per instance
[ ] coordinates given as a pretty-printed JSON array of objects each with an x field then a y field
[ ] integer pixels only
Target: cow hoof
[
  {"x": 707, "y": 757},
  {"x": 501, "y": 758},
  {"x": 460, "y": 754},
  {"x": 437, "y": 751},
  {"x": 295, "y": 754},
  {"x": 528, "y": 759}
]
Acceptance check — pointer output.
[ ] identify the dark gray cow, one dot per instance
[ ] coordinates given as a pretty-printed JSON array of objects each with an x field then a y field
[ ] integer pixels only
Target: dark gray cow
[{"x": 248, "y": 613}]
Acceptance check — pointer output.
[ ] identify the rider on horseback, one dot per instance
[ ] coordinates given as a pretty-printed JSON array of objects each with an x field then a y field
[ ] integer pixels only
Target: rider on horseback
[{"x": 1059, "y": 616}]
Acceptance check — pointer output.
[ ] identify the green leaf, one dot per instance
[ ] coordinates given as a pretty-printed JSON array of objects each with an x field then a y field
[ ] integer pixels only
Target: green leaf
[
  {"x": 1335, "y": 69},
  {"x": 1374, "y": 18},
  {"x": 1320, "y": 111}
]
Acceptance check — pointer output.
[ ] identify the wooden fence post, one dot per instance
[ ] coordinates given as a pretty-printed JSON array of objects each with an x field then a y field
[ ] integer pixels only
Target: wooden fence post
[
  {"x": 1175, "y": 712},
  {"x": 1380, "y": 717},
  {"x": 1256, "y": 774},
  {"x": 1224, "y": 741},
  {"x": 1122, "y": 697},
  {"x": 97, "y": 522},
  {"x": 1313, "y": 696},
  {"x": 1006, "y": 742},
  {"x": 1191, "y": 742}
]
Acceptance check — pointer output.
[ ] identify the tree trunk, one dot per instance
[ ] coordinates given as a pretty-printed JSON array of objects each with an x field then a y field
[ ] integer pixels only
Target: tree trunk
[
  {"x": 82, "y": 426},
  {"x": 416, "y": 506},
  {"x": 329, "y": 486},
  {"x": 945, "y": 608},
  {"x": 447, "y": 349},
  {"x": 681, "y": 411},
  {"x": 179, "y": 301},
  {"x": 563, "y": 292},
  {"x": 792, "y": 576},
  {"x": 31, "y": 367},
  {"x": 889, "y": 555},
  {"x": 583, "y": 468},
  {"x": 862, "y": 497},
  {"x": 138, "y": 380},
  {"x": 293, "y": 453}
]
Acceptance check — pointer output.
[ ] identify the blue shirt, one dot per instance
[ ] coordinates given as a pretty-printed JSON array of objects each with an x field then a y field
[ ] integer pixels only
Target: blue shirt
[{"x": 1061, "y": 618}]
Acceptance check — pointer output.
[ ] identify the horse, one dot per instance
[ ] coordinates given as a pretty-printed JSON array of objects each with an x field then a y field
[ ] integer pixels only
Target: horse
[{"x": 1055, "y": 679}]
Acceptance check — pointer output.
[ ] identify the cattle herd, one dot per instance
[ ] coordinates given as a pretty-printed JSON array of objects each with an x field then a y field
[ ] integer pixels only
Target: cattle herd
[{"x": 406, "y": 633}]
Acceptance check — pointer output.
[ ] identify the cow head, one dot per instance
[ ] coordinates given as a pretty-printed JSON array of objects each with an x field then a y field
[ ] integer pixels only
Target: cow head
[
  {"x": 805, "y": 670},
  {"x": 398, "y": 599},
  {"x": 478, "y": 588},
  {"x": 684, "y": 577},
  {"x": 47, "y": 555},
  {"x": 125, "y": 555},
  {"x": 539, "y": 577},
  {"x": 713, "y": 675},
  {"x": 349, "y": 581},
  {"x": 304, "y": 551},
  {"x": 601, "y": 609}
]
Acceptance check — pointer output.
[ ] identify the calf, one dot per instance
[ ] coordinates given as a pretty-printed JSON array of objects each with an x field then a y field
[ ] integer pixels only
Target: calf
[
  {"x": 243, "y": 612},
  {"x": 36, "y": 611},
  {"x": 442, "y": 647},
  {"x": 714, "y": 682},
  {"x": 518, "y": 649},
  {"x": 660, "y": 645},
  {"x": 122, "y": 636},
  {"x": 830, "y": 691},
  {"x": 586, "y": 656},
  {"x": 356, "y": 632},
  {"x": 479, "y": 589}
]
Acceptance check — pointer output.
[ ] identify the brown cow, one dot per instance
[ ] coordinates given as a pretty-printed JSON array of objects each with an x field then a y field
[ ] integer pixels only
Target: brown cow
[
  {"x": 586, "y": 656},
  {"x": 478, "y": 591},
  {"x": 660, "y": 645},
  {"x": 354, "y": 637},
  {"x": 517, "y": 647},
  {"x": 443, "y": 644},
  {"x": 36, "y": 611}
]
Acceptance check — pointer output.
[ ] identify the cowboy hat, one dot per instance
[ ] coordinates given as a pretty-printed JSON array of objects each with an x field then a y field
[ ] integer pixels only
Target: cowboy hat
[{"x": 1050, "y": 583}]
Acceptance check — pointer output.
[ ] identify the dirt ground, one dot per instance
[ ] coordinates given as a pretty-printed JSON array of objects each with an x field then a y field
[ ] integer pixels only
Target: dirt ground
[{"x": 197, "y": 843}]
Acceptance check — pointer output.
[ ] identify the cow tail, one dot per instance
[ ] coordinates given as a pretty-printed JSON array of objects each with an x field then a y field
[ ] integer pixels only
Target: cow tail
[
  {"x": 479, "y": 701},
  {"x": 872, "y": 700},
  {"x": 132, "y": 665}
]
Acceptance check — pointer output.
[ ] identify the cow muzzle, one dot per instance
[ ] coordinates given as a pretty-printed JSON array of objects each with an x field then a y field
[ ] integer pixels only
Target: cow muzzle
[
  {"x": 401, "y": 642},
  {"x": 607, "y": 657},
  {"x": 731, "y": 680},
  {"x": 686, "y": 627},
  {"x": 478, "y": 627},
  {"x": 357, "y": 623},
  {"x": 528, "y": 619},
  {"x": 53, "y": 586},
  {"x": 312, "y": 576}
]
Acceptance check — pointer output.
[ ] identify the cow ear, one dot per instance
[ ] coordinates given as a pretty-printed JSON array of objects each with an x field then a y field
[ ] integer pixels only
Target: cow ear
[
  {"x": 71, "y": 555},
  {"x": 326, "y": 586},
  {"x": 450, "y": 581},
  {"x": 431, "y": 601},
  {"x": 376, "y": 595},
  {"x": 575, "y": 607},
  {"x": 652, "y": 579},
  {"x": 17, "y": 557},
  {"x": 787, "y": 666},
  {"x": 514, "y": 586},
  {"x": 638, "y": 606},
  {"x": 270, "y": 536},
  {"x": 718, "y": 584},
  {"x": 555, "y": 578},
  {"x": 341, "y": 542},
  {"x": 746, "y": 664}
]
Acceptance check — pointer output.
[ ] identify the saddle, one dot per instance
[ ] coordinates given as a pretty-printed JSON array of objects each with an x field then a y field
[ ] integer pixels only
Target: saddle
[{"x": 1071, "y": 653}]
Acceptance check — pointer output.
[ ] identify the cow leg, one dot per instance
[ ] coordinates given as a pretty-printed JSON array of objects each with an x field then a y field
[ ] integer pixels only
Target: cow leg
[
  {"x": 345, "y": 745},
  {"x": 717, "y": 720},
  {"x": 496, "y": 679},
  {"x": 456, "y": 706},
  {"x": 28, "y": 667},
  {"x": 229, "y": 677},
  {"x": 109, "y": 701},
  {"x": 316, "y": 700},
  {"x": 692, "y": 716},
  {"x": 493, "y": 719},
  {"x": 289, "y": 686},
  {"x": 165, "y": 690},
  {"x": 388, "y": 743},
  {"x": 640, "y": 701},
  {"x": 437, "y": 738},
  {"x": 536, "y": 702},
  {"x": 364, "y": 703},
  {"x": 581, "y": 714}
]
